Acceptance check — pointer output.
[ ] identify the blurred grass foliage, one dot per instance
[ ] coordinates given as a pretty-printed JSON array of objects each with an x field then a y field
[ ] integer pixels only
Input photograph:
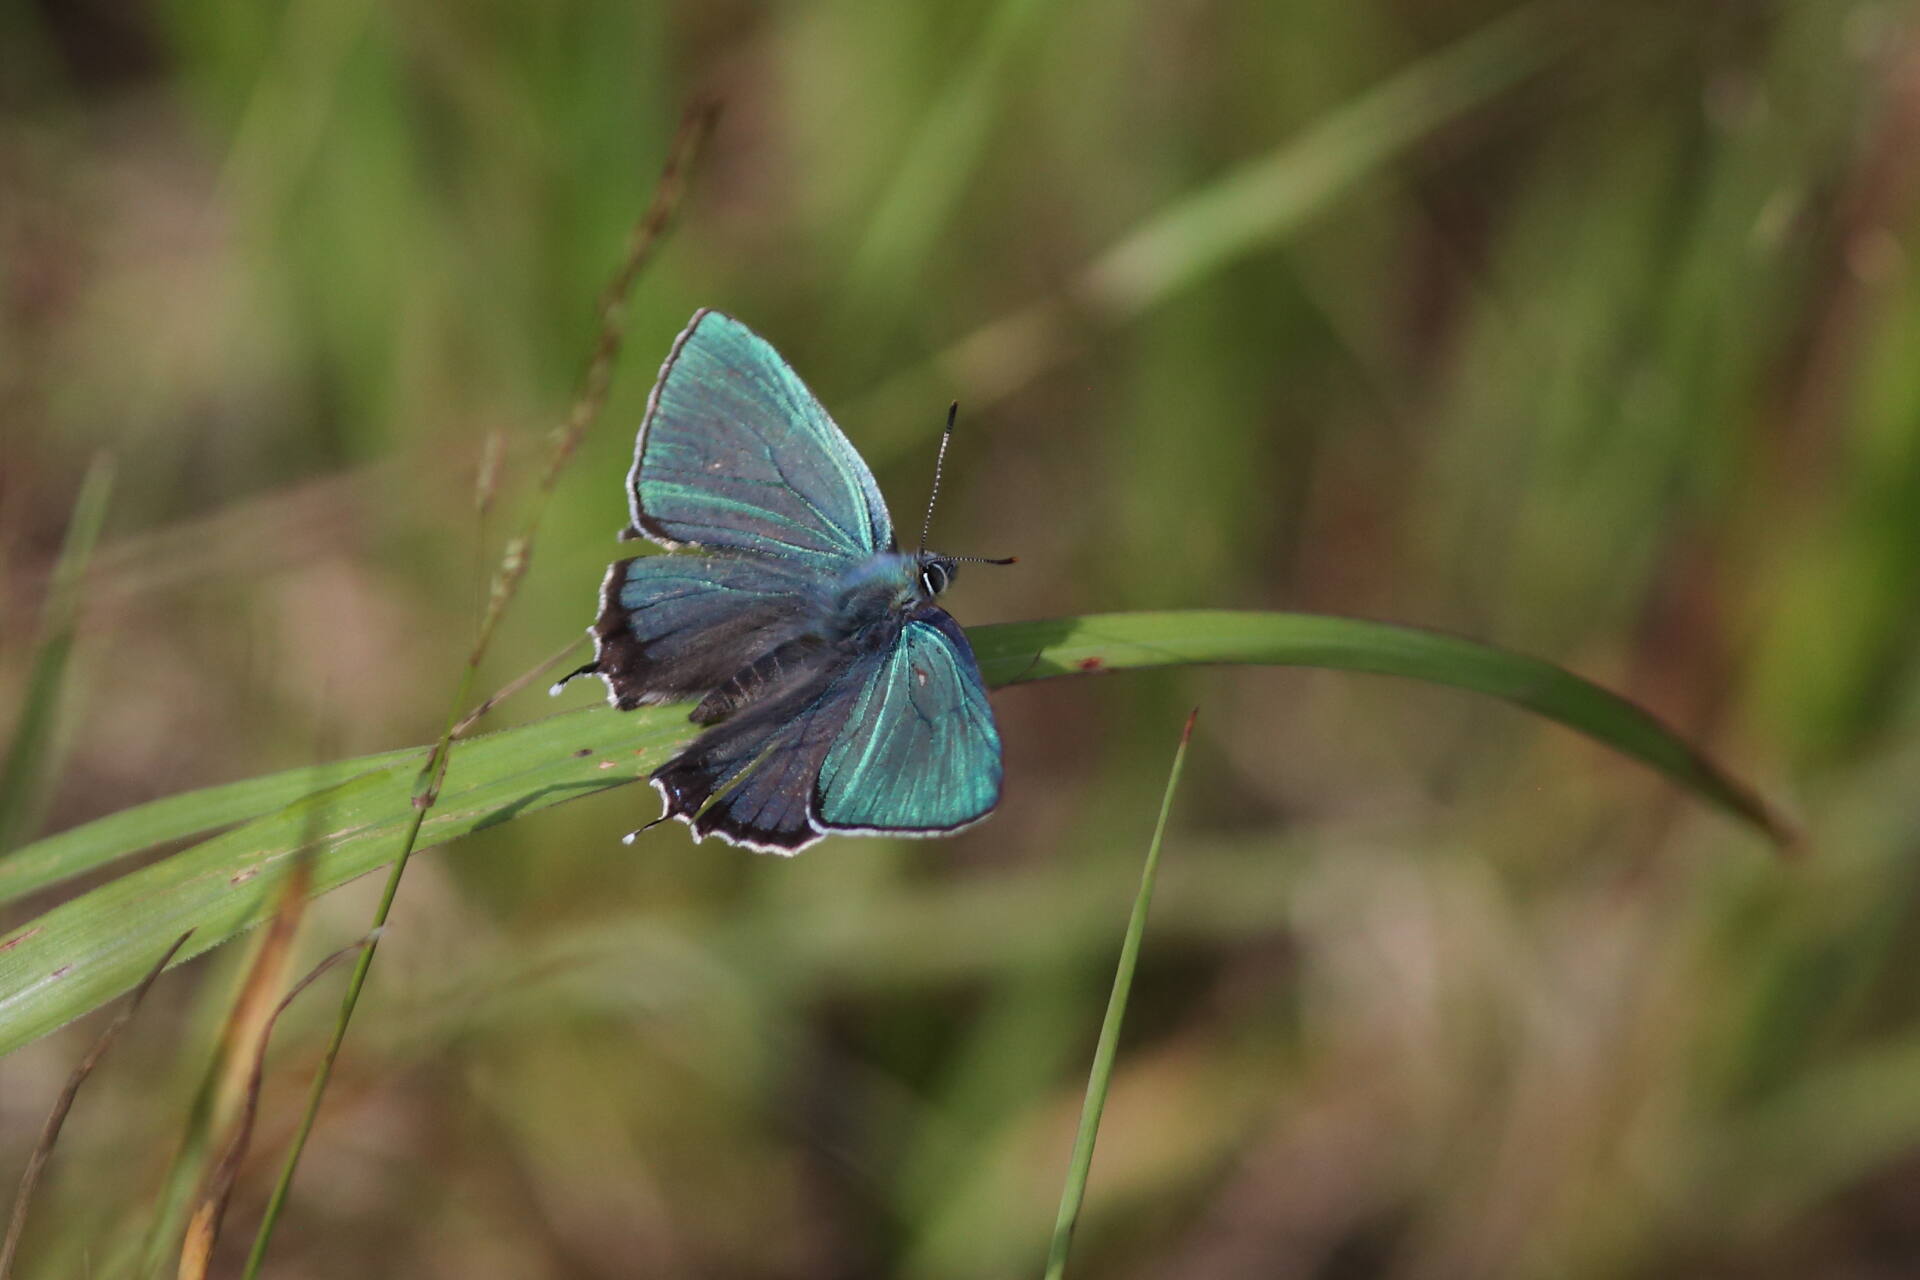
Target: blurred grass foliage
[{"x": 1587, "y": 332}]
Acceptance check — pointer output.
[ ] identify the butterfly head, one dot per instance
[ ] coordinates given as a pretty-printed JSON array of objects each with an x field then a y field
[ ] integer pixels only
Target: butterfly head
[{"x": 936, "y": 574}]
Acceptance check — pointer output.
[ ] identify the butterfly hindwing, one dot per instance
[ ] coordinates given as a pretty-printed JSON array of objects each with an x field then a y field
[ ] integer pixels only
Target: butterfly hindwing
[
  {"x": 736, "y": 453},
  {"x": 750, "y": 779},
  {"x": 919, "y": 752},
  {"x": 893, "y": 739}
]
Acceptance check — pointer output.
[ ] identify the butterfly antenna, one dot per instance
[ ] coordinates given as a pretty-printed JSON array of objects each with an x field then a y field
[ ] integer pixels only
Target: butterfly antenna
[{"x": 939, "y": 465}]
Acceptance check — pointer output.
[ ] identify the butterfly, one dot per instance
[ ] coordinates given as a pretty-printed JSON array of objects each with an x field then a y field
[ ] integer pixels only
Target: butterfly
[{"x": 838, "y": 697}]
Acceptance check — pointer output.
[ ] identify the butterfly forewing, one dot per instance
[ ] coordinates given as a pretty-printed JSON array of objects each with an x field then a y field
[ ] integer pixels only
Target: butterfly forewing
[{"x": 736, "y": 453}]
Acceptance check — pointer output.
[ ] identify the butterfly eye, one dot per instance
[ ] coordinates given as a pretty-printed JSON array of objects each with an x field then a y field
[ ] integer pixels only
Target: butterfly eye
[{"x": 933, "y": 579}]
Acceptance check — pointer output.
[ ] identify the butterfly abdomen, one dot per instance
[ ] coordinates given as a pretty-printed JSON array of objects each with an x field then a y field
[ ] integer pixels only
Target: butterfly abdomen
[{"x": 794, "y": 662}]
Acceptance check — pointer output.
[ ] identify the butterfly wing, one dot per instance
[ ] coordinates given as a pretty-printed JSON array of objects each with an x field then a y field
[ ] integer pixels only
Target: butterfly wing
[
  {"x": 920, "y": 753},
  {"x": 750, "y": 779},
  {"x": 737, "y": 458},
  {"x": 898, "y": 739},
  {"x": 673, "y": 627},
  {"x": 735, "y": 453}
]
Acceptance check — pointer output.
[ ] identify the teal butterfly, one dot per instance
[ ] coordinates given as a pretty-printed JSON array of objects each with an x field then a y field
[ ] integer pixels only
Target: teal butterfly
[{"x": 841, "y": 699}]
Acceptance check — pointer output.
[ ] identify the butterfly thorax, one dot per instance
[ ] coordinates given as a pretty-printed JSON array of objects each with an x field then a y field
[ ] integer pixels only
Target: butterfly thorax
[
  {"x": 887, "y": 585},
  {"x": 862, "y": 614}
]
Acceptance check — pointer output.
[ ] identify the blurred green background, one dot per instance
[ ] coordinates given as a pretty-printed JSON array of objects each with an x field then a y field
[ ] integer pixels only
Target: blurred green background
[{"x": 1586, "y": 330}]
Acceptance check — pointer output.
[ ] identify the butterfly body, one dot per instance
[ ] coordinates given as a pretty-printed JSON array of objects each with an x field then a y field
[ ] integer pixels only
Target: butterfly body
[
  {"x": 886, "y": 584},
  {"x": 838, "y": 696}
]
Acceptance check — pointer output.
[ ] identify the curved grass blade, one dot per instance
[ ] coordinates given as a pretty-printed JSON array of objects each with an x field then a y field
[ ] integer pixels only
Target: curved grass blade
[
  {"x": 1075, "y": 1193},
  {"x": 1118, "y": 642},
  {"x": 83, "y": 953},
  {"x": 78, "y": 850},
  {"x": 92, "y": 845}
]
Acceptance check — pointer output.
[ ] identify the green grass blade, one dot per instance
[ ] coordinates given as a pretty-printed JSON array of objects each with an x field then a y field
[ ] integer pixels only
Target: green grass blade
[
  {"x": 27, "y": 765},
  {"x": 1020, "y": 651},
  {"x": 83, "y": 953},
  {"x": 1075, "y": 1192},
  {"x": 92, "y": 845}
]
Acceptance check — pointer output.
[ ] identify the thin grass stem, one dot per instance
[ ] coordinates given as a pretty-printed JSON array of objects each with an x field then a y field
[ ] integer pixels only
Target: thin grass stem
[
  {"x": 695, "y": 125},
  {"x": 1101, "y": 1077},
  {"x": 203, "y": 1231},
  {"x": 50, "y": 1132},
  {"x": 28, "y": 760}
]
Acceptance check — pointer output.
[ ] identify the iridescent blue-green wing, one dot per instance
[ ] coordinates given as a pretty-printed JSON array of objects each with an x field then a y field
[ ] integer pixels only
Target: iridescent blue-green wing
[
  {"x": 683, "y": 626},
  {"x": 750, "y": 779},
  {"x": 920, "y": 754},
  {"x": 736, "y": 453}
]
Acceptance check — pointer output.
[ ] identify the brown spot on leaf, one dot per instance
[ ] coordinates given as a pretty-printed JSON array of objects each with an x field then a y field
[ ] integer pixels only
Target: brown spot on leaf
[
  {"x": 20, "y": 937},
  {"x": 1091, "y": 664},
  {"x": 244, "y": 876}
]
